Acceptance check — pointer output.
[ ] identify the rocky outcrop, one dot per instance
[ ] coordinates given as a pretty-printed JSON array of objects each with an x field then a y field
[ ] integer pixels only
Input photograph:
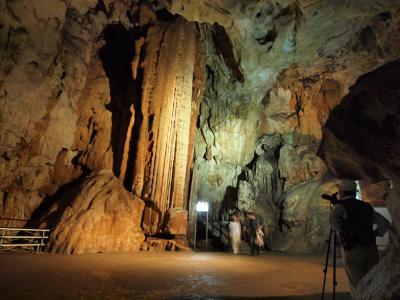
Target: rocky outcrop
[
  {"x": 303, "y": 226},
  {"x": 119, "y": 85},
  {"x": 46, "y": 48},
  {"x": 362, "y": 134},
  {"x": 101, "y": 216},
  {"x": 282, "y": 95},
  {"x": 99, "y": 93},
  {"x": 158, "y": 244},
  {"x": 176, "y": 221},
  {"x": 374, "y": 192},
  {"x": 382, "y": 282},
  {"x": 361, "y": 141}
]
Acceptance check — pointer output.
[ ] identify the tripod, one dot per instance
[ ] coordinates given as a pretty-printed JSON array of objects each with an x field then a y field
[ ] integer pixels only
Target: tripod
[{"x": 331, "y": 234}]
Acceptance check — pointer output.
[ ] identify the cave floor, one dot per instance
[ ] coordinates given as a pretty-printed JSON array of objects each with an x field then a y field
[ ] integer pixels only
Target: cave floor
[{"x": 165, "y": 275}]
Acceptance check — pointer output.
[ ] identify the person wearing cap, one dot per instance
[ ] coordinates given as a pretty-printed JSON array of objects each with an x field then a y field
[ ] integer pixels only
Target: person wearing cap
[{"x": 353, "y": 220}]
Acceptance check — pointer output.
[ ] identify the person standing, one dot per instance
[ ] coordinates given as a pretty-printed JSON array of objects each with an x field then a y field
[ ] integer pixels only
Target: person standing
[
  {"x": 259, "y": 238},
  {"x": 235, "y": 233},
  {"x": 353, "y": 220},
  {"x": 252, "y": 223}
]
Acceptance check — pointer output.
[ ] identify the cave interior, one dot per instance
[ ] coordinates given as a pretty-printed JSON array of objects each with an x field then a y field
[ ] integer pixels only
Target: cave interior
[{"x": 118, "y": 116}]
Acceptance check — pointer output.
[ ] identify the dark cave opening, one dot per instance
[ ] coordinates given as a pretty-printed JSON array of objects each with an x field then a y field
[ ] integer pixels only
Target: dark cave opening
[{"x": 116, "y": 56}]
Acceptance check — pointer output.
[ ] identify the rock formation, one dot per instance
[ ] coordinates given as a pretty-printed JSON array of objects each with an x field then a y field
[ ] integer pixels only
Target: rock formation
[
  {"x": 99, "y": 216},
  {"x": 361, "y": 141},
  {"x": 117, "y": 116},
  {"x": 107, "y": 91}
]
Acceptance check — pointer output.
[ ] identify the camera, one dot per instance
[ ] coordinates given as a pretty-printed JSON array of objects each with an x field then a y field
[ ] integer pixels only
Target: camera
[{"x": 332, "y": 198}]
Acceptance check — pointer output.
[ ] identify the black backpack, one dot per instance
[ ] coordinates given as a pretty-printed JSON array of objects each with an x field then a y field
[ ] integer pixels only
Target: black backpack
[{"x": 358, "y": 227}]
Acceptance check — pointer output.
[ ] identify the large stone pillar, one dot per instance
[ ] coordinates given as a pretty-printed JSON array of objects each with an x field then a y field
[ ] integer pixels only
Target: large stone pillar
[{"x": 161, "y": 162}]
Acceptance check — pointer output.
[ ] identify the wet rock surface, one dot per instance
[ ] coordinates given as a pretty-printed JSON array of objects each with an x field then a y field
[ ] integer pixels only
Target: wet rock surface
[{"x": 166, "y": 275}]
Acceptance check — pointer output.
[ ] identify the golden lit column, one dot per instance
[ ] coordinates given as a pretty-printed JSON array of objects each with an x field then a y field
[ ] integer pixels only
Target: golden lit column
[{"x": 163, "y": 145}]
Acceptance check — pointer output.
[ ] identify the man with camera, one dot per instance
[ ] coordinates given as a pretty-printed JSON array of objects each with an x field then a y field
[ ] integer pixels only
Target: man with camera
[{"x": 353, "y": 220}]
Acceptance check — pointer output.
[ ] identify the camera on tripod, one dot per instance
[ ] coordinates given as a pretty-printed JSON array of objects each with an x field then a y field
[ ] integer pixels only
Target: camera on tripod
[{"x": 333, "y": 199}]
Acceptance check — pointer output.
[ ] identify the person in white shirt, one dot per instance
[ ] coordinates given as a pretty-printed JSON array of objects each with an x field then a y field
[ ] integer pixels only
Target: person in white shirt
[{"x": 235, "y": 233}]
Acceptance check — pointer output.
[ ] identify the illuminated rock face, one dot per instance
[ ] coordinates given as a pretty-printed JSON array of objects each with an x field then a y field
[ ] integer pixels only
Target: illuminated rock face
[
  {"x": 258, "y": 139},
  {"x": 102, "y": 93},
  {"x": 161, "y": 163},
  {"x": 42, "y": 77},
  {"x": 229, "y": 111},
  {"x": 100, "y": 216}
]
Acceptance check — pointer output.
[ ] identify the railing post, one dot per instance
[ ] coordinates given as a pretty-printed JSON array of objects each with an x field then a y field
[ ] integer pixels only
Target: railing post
[
  {"x": 1, "y": 237},
  {"x": 195, "y": 230},
  {"x": 207, "y": 231},
  {"x": 40, "y": 243}
]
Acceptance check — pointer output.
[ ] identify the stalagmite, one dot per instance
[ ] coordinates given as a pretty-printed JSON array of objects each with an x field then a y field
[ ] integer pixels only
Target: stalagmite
[{"x": 163, "y": 146}]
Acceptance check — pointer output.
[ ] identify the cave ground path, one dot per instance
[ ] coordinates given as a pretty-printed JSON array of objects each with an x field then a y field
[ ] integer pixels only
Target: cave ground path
[{"x": 166, "y": 275}]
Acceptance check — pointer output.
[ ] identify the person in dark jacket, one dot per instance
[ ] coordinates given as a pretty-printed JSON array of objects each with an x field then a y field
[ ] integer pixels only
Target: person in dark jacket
[
  {"x": 252, "y": 225},
  {"x": 353, "y": 220}
]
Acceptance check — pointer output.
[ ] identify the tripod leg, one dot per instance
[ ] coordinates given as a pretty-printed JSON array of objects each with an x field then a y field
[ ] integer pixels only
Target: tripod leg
[
  {"x": 334, "y": 266},
  {"x": 326, "y": 262}
]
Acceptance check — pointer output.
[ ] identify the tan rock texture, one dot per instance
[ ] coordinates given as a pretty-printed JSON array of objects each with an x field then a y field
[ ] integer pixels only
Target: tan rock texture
[
  {"x": 258, "y": 140},
  {"x": 374, "y": 193},
  {"x": 382, "y": 282},
  {"x": 161, "y": 164},
  {"x": 227, "y": 110},
  {"x": 46, "y": 47},
  {"x": 158, "y": 244},
  {"x": 177, "y": 221},
  {"x": 101, "y": 217},
  {"x": 151, "y": 220},
  {"x": 361, "y": 136}
]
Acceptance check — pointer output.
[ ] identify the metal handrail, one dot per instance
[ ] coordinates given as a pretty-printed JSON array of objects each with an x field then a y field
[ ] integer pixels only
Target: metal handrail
[
  {"x": 219, "y": 229},
  {"x": 13, "y": 219},
  {"x": 34, "y": 240}
]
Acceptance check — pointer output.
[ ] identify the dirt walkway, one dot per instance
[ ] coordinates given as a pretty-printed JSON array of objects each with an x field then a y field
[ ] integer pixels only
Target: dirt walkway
[{"x": 164, "y": 276}]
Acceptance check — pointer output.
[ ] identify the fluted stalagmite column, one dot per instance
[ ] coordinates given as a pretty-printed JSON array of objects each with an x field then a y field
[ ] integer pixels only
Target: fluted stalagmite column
[{"x": 163, "y": 147}]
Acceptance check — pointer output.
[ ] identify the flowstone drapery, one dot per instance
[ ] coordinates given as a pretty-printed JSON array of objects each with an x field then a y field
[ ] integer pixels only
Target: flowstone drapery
[{"x": 166, "y": 107}]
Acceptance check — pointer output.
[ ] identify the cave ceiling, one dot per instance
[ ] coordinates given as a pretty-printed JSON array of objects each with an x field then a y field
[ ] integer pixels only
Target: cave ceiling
[{"x": 317, "y": 36}]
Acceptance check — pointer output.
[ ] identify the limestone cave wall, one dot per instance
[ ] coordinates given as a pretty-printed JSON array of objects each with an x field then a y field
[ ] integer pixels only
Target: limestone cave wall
[
  {"x": 93, "y": 88},
  {"x": 361, "y": 141},
  {"x": 166, "y": 103},
  {"x": 289, "y": 64}
]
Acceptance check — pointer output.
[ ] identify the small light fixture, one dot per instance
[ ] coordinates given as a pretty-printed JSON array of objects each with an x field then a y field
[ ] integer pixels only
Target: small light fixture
[{"x": 202, "y": 206}]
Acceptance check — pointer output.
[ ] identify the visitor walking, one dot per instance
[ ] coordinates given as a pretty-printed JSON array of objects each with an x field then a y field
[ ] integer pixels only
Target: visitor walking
[
  {"x": 235, "y": 233},
  {"x": 259, "y": 242}
]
